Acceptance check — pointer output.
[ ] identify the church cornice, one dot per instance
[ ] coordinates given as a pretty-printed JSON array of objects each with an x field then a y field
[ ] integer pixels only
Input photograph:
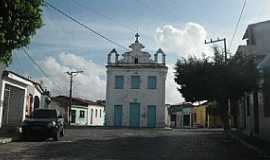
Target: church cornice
[{"x": 134, "y": 66}]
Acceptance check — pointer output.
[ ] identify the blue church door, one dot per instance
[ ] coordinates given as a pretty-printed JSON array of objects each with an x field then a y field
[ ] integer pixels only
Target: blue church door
[
  {"x": 134, "y": 115},
  {"x": 151, "y": 116},
  {"x": 118, "y": 110}
]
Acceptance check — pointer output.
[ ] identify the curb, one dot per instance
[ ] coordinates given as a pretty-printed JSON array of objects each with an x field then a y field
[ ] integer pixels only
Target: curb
[
  {"x": 5, "y": 140},
  {"x": 109, "y": 127},
  {"x": 261, "y": 153}
]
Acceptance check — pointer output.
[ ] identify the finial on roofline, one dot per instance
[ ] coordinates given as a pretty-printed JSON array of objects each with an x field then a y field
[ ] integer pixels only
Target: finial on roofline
[{"x": 137, "y": 37}]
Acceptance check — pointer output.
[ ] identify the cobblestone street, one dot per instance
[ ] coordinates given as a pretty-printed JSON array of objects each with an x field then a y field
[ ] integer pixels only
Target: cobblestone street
[{"x": 126, "y": 144}]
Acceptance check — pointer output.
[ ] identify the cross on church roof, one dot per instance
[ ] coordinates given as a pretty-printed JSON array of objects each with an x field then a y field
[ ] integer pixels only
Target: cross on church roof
[{"x": 137, "y": 37}]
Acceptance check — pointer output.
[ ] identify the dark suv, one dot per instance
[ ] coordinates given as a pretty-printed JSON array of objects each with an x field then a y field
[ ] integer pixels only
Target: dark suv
[{"x": 45, "y": 123}]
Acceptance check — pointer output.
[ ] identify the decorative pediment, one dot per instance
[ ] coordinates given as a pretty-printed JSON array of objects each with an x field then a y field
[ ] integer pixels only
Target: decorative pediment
[{"x": 136, "y": 55}]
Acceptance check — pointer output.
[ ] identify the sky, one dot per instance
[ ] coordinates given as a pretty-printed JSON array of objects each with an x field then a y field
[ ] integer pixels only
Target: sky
[{"x": 179, "y": 27}]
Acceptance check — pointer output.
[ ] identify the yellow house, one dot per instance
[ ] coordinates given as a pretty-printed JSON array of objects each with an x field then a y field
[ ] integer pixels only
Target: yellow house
[
  {"x": 199, "y": 116},
  {"x": 203, "y": 118}
]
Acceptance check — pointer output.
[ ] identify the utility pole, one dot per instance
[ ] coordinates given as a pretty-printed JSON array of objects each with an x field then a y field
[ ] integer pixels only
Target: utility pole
[
  {"x": 219, "y": 40},
  {"x": 226, "y": 60},
  {"x": 71, "y": 75}
]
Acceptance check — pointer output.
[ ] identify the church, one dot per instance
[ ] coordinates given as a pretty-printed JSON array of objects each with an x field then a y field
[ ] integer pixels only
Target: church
[{"x": 135, "y": 93}]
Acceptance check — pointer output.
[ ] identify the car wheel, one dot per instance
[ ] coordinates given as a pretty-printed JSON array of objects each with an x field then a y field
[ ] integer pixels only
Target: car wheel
[
  {"x": 62, "y": 133},
  {"x": 56, "y": 136},
  {"x": 22, "y": 137}
]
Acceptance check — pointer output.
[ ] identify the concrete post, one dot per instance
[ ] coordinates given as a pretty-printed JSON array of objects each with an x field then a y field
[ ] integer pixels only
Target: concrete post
[
  {"x": 116, "y": 58},
  {"x": 109, "y": 59},
  {"x": 163, "y": 59},
  {"x": 156, "y": 58}
]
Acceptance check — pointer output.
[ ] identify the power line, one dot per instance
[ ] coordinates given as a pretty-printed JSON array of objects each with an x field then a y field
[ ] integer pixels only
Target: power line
[
  {"x": 237, "y": 24},
  {"x": 103, "y": 15},
  {"x": 34, "y": 62},
  {"x": 39, "y": 67},
  {"x": 84, "y": 25},
  {"x": 18, "y": 66}
]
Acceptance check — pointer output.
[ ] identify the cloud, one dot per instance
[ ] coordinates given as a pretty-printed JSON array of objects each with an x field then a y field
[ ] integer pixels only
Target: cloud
[
  {"x": 183, "y": 41},
  {"x": 265, "y": 4},
  {"x": 90, "y": 84},
  {"x": 172, "y": 94}
]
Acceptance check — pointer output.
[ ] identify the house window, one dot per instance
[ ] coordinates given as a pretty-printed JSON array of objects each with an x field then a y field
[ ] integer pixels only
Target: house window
[
  {"x": 248, "y": 105},
  {"x": 100, "y": 112},
  {"x": 36, "y": 102},
  {"x": 82, "y": 114},
  {"x": 73, "y": 116},
  {"x": 266, "y": 103},
  {"x": 135, "y": 82},
  {"x": 119, "y": 82},
  {"x": 266, "y": 106},
  {"x": 152, "y": 82},
  {"x": 96, "y": 113},
  {"x": 92, "y": 112},
  {"x": 244, "y": 111}
]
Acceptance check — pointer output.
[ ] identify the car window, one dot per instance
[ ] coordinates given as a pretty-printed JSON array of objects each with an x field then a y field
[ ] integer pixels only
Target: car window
[{"x": 44, "y": 114}]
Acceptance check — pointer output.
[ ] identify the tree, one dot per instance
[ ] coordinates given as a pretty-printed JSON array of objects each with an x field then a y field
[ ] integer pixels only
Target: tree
[
  {"x": 216, "y": 79},
  {"x": 19, "y": 20}
]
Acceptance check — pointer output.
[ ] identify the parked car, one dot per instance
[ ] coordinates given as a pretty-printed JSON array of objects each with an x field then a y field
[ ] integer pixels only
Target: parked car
[{"x": 45, "y": 123}]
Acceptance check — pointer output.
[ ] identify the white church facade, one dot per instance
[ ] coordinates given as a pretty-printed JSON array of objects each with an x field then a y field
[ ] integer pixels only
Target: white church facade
[{"x": 135, "y": 93}]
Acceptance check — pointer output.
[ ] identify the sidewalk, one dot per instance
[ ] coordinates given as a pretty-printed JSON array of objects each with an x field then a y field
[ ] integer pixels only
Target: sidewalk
[
  {"x": 7, "y": 136},
  {"x": 4, "y": 140},
  {"x": 260, "y": 146}
]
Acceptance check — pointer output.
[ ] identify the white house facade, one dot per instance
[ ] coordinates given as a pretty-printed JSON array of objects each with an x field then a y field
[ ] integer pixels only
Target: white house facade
[
  {"x": 96, "y": 114},
  {"x": 19, "y": 97},
  {"x": 254, "y": 108},
  {"x": 79, "y": 115},
  {"x": 83, "y": 112},
  {"x": 135, "y": 93},
  {"x": 90, "y": 115}
]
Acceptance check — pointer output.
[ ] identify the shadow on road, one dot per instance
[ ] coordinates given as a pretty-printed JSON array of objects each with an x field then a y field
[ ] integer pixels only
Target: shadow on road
[{"x": 210, "y": 147}]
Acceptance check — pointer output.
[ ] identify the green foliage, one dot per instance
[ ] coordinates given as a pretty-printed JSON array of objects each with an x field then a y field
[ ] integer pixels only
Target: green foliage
[
  {"x": 215, "y": 108},
  {"x": 214, "y": 79},
  {"x": 244, "y": 75},
  {"x": 192, "y": 75},
  {"x": 19, "y": 20}
]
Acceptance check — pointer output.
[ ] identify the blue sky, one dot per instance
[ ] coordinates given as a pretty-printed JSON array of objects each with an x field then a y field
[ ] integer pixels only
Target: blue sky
[{"x": 121, "y": 19}]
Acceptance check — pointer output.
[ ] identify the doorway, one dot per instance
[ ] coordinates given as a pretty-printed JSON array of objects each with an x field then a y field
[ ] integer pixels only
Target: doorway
[
  {"x": 134, "y": 115},
  {"x": 256, "y": 113},
  {"x": 13, "y": 106},
  {"x": 73, "y": 116},
  {"x": 118, "y": 111},
  {"x": 151, "y": 116}
]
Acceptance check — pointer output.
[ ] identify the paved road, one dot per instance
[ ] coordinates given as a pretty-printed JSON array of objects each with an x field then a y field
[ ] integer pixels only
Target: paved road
[{"x": 131, "y": 144}]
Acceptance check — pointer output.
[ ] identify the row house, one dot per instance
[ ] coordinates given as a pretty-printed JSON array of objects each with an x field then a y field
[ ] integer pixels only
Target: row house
[
  {"x": 181, "y": 115},
  {"x": 187, "y": 115},
  {"x": 206, "y": 115},
  {"x": 2, "y": 69},
  {"x": 83, "y": 112},
  {"x": 254, "y": 107},
  {"x": 19, "y": 97}
]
